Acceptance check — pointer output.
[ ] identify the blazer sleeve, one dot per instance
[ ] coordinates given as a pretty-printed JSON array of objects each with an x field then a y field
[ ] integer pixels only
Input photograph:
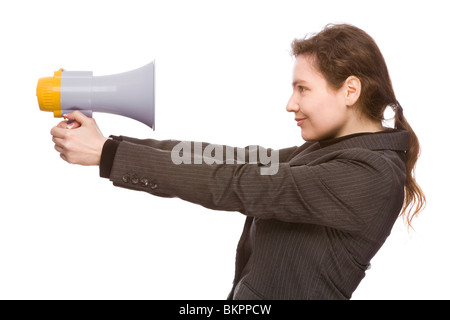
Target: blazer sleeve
[
  {"x": 344, "y": 191},
  {"x": 284, "y": 154}
]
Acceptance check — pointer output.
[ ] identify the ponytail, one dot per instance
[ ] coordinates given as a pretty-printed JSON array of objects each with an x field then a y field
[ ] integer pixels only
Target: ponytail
[{"x": 415, "y": 200}]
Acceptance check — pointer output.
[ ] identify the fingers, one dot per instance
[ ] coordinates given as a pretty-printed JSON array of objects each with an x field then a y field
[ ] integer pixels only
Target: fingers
[
  {"x": 59, "y": 146},
  {"x": 63, "y": 157},
  {"x": 59, "y": 131},
  {"x": 58, "y": 142},
  {"x": 77, "y": 116},
  {"x": 66, "y": 125},
  {"x": 62, "y": 147},
  {"x": 73, "y": 125},
  {"x": 59, "y": 149},
  {"x": 62, "y": 124}
]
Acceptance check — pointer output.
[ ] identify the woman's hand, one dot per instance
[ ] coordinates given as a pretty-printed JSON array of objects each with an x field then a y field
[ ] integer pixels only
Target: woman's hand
[{"x": 80, "y": 142}]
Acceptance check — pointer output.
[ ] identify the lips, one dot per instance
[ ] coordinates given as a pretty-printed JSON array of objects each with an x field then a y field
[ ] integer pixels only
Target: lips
[{"x": 300, "y": 121}]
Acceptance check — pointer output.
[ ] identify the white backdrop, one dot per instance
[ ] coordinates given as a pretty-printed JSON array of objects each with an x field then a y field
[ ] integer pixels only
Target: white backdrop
[{"x": 223, "y": 74}]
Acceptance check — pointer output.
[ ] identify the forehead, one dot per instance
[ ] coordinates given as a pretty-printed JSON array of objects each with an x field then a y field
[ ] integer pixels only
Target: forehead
[{"x": 305, "y": 70}]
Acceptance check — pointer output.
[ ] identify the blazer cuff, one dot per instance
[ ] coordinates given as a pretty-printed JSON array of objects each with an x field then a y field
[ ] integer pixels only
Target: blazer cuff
[{"x": 108, "y": 155}]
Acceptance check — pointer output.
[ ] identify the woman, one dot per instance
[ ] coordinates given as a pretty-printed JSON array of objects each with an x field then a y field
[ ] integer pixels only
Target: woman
[{"x": 312, "y": 226}]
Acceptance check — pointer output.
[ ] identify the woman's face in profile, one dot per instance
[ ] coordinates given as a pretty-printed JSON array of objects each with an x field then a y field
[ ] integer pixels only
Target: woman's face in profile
[{"x": 319, "y": 110}]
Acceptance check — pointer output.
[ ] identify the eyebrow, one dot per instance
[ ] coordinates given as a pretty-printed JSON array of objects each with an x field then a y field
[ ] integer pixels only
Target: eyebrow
[{"x": 297, "y": 82}]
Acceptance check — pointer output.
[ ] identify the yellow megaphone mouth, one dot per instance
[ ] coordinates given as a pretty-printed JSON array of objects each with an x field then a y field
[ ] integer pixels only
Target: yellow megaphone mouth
[{"x": 48, "y": 93}]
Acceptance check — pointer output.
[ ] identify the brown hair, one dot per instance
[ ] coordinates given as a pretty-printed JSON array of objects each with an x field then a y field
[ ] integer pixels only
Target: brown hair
[{"x": 340, "y": 51}]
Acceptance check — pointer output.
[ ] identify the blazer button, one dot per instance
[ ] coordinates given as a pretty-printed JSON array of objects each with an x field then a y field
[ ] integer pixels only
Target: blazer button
[
  {"x": 134, "y": 180},
  {"x": 144, "y": 182},
  {"x": 153, "y": 186},
  {"x": 126, "y": 178}
]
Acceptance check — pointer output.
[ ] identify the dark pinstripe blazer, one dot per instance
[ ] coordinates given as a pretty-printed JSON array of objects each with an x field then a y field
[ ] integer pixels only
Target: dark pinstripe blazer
[{"x": 311, "y": 229}]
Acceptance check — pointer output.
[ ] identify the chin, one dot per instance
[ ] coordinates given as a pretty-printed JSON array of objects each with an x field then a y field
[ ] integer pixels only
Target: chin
[{"x": 309, "y": 137}]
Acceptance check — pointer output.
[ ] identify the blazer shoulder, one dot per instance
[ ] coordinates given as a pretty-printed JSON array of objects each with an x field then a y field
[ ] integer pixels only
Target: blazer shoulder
[{"x": 366, "y": 146}]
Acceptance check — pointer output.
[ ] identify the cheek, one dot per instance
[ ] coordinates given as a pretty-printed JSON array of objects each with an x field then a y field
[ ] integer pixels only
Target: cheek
[
  {"x": 324, "y": 109},
  {"x": 325, "y": 116}
]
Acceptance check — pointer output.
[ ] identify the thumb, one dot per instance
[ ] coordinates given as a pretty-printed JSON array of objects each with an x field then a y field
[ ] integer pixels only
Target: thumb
[{"x": 76, "y": 116}]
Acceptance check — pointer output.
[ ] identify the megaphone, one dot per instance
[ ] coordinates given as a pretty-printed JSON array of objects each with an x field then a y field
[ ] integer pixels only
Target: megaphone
[{"x": 130, "y": 94}]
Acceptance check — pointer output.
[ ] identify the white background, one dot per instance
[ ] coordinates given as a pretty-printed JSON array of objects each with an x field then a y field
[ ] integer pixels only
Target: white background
[{"x": 223, "y": 74}]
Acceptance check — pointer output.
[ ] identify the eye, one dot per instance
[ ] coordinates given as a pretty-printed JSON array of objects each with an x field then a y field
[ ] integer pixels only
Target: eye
[{"x": 301, "y": 88}]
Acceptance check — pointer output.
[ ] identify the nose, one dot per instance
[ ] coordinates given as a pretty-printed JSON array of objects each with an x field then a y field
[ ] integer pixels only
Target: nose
[{"x": 292, "y": 105}]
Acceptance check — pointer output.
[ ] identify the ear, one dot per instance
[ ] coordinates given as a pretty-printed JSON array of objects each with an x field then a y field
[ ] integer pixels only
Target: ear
[{"x": 352, "y": 90}]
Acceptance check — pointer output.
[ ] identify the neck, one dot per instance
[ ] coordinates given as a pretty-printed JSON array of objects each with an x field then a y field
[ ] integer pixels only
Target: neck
[{"x": 360, "y": 125}]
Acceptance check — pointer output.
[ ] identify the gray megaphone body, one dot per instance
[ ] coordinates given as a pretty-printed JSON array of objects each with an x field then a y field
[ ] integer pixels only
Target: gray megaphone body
[{"x": 130, "y": 94}]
